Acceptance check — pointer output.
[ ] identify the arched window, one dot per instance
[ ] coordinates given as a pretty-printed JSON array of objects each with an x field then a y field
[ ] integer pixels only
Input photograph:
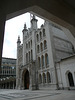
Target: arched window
[
  {"x": 44, "y": 34},
  {"x": 31, "y": 55},
  {"x": 42, "y": 58},
  {"x": 45, "y": 44},
  {"x": 46, "y": 59},
  {"x": 44, "y": 78},
  {"x": 41, "y": 46},
  {"x": 39, "y": 62},
  {"x": 38, "y": 48},
  {"x": 40, "y": 78},
  {"x": 48, "y": 77},
  {"x": 40, "y": 35},
  {"x": 37, "y": 37},
  {"x": 31, "y": 43}
]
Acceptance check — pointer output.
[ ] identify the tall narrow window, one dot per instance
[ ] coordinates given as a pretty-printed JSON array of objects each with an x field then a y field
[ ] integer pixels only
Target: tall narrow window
[
  {"x": 31, "y": 55},
  {"x": 46, "y": 59},
  {"x": 48, "y": 77},
  {"x": 42, "y": 60},
  {"x": 31, "y": 43},
  {"x": 44, "y": 34},
  {"x": 39, "y": 62},
  {"x": 40, "y": 35},
  {"x": 45, "y": 44},
  {"x": 37, "y": 37},
  {"x": 44, "y": 78}
]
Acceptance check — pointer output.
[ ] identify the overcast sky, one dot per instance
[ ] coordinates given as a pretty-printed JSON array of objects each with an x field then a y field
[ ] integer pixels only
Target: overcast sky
[{"x": 13, "y": 28}]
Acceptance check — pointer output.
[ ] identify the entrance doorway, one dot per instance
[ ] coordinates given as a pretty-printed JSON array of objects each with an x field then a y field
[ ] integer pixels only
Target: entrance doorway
[
  {"x": 26, "y": 80},
  {"x": 70, "y": 78}
]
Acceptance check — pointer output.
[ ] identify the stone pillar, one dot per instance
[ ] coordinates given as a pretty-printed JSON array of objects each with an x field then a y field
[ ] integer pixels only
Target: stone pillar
[
  {"x": 33, "y": 77},
  {"x": 2, "y": 27}
]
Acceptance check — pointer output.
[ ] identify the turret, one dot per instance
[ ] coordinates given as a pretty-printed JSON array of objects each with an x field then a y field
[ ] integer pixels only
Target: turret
[
  {"x": 34, "y": 23},
  {"x": 18, "y": 41},
  {"x": 25, "y": 31}
]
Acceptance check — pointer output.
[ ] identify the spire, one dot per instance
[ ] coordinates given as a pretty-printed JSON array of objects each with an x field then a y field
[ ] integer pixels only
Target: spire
[{"x": 25, "y": 26}]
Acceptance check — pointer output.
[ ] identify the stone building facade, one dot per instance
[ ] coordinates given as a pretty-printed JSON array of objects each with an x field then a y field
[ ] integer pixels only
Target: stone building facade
[
  {"x": 8, "y": 73},
  {"x": 39, "y": 56}
]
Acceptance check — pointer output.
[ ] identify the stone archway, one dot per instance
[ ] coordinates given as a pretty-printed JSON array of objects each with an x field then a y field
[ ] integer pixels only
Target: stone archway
[
  {"x": 26, "y": 79},
  {"x": 70, "y": 79}
]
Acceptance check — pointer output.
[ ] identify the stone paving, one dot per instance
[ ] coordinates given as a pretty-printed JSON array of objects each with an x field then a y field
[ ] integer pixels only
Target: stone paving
[{"x": 37, "y": 95}]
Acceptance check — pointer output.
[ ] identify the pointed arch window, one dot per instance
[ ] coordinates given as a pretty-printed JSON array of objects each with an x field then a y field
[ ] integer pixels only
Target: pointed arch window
[
  {"x": 44, "y": 78},
  {"x": 46, "y": 59},
  {"x": 44, "y": 34},
  {"x": 45, "y": 44},
  {"x": 31, "y": 55},
  {"x": 37, "y": 37},
  {"x": 48, "y": 78},
  {"x": 40, "y": 35}
]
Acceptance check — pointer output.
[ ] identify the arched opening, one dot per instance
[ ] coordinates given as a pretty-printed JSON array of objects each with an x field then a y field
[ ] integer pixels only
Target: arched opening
[
  {"x": 48, "y": 78},
  {"x": 70, "y": 79},
  {"x": 26, "y": 80}
]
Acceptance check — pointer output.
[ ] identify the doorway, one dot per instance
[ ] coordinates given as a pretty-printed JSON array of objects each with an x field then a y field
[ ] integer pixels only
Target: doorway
[
  {"x": 26, "y": 80},
  {"x": 70, "y": 78}
]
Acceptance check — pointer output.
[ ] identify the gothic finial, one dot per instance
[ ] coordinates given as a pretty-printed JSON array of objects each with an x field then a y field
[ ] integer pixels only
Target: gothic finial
[
  {"x": 33, "y": 16},
  {"x": 25, "y": 26},
  {"x": 18, "y": 41}
]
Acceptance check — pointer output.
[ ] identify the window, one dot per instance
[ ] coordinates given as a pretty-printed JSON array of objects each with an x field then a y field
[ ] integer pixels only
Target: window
[
  {"x": 31, "y": 54},
  {"x": 40, "y": 35},
  {"x": 44, "y": 33},
  {"x": 46, "y": 59},
  {"x": 31, "y": 43},
  {"x": 39, "y": 62},
  {"x": 37, "y": 37},
  {"x": 48, "y": 77},
  {"x": 45, "y": 44},
  {"x": 44, "y": 78},
  {"x": 42, "y": 60}
]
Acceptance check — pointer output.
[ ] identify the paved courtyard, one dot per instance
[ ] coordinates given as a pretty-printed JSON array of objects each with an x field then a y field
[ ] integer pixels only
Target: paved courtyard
[{"x": 37, "y": 95}]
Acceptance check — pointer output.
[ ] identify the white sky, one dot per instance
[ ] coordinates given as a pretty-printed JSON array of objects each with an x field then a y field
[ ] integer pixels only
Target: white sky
[{"x": 13, "y": 28}]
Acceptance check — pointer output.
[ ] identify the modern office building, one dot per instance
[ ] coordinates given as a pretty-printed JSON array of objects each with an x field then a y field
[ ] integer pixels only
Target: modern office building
[{"x": 8, "y": 73}]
